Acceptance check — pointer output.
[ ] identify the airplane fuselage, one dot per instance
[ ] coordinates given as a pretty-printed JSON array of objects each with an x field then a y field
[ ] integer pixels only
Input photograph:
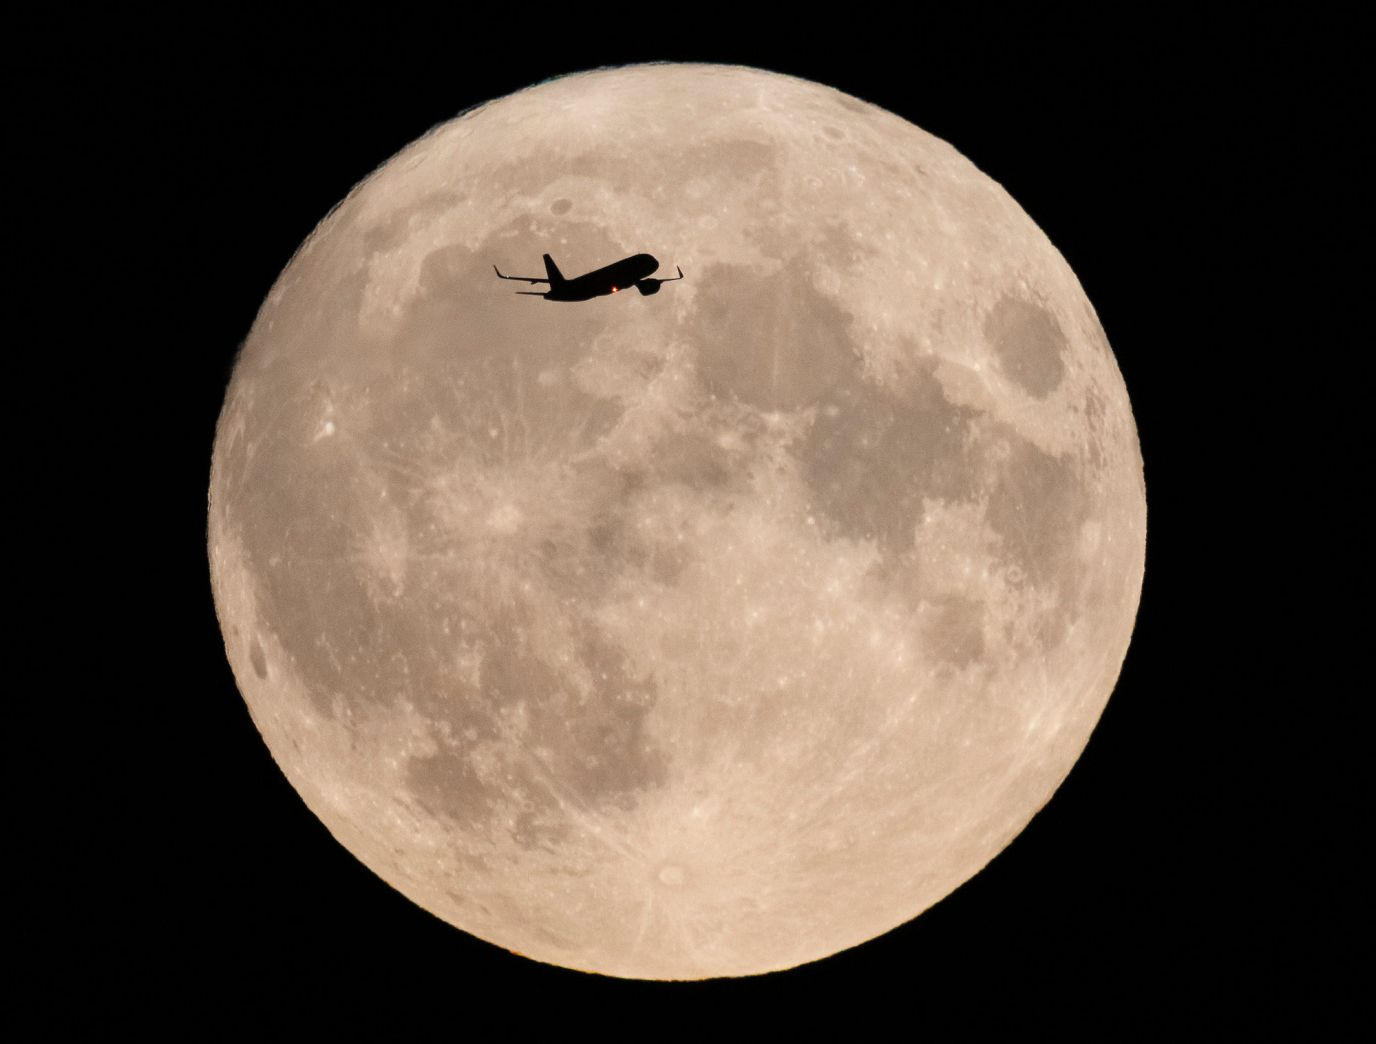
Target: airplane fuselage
[{"x": 609, "y": 280}]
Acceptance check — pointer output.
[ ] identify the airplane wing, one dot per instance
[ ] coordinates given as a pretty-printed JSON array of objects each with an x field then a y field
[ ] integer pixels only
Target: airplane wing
[{"x": 521, "y": 279}]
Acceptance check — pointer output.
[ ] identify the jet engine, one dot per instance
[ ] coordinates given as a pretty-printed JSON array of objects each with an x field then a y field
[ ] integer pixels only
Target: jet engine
[{"x": 649, "y": 286}]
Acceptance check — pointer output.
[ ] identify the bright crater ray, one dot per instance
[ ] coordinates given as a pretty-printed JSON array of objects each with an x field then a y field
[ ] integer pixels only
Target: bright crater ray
[{"x": 690, "y": 635}]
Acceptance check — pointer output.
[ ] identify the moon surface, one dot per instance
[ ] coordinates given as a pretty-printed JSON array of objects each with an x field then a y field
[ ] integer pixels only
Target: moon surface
[{"x": 694, "y": 635}]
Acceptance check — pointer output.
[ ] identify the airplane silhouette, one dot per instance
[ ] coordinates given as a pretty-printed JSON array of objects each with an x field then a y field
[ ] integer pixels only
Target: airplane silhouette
[{"x": 628, "y": 272}]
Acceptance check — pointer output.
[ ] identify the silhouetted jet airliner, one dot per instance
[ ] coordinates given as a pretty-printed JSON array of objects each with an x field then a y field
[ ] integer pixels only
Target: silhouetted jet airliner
[{"x": 631, "y": 271}]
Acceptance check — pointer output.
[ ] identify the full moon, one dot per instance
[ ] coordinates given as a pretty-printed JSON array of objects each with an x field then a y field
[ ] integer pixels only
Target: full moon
[{"x": 690, "y": 635}]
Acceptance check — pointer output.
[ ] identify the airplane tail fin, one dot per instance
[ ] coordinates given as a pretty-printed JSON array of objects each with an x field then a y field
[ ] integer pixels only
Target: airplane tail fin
[{"x": 552, "y": 270}]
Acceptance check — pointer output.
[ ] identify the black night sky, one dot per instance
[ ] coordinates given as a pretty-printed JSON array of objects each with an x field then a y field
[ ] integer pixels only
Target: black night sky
[{"x": 205, "y": 887}]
